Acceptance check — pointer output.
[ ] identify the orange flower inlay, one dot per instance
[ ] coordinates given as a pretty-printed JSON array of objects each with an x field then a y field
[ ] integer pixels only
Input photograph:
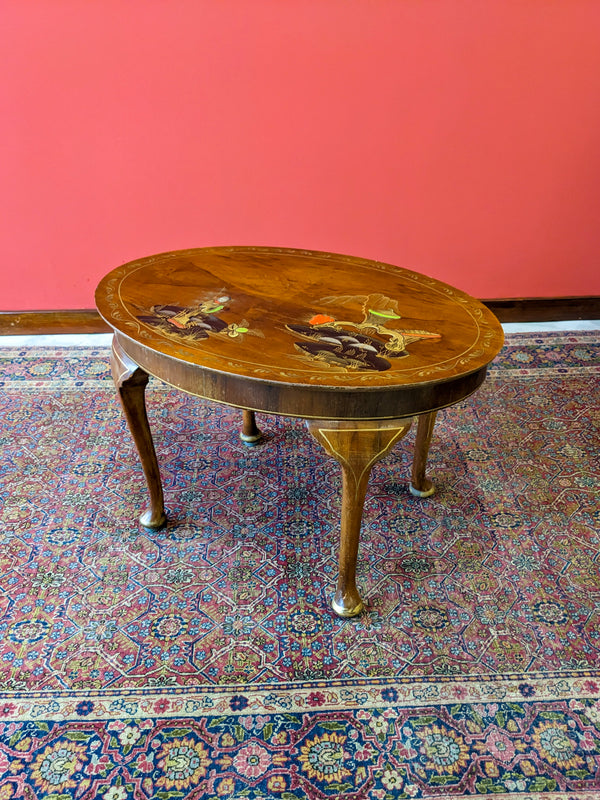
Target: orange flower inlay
[{"x": 320, "y": 319}]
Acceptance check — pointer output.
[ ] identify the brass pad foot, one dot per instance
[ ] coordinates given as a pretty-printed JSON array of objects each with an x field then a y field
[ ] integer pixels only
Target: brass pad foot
[
  {"x": 147, "y": 520},
  {"x": 343, "y": 611},
  {"x": 427, "y": 492},
  {"x": 251, "y": 440}
]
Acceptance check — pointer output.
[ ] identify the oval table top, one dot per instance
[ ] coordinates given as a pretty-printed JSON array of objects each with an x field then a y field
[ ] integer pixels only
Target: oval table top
[{"x": 298, "y": 332}]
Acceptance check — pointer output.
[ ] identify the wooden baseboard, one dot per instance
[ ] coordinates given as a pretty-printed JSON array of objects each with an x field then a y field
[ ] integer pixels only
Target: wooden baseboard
[
  {"x": 49, "y": 322},
  {"x": 545, "y": 309},
  {"x": 521, "y": 309}
]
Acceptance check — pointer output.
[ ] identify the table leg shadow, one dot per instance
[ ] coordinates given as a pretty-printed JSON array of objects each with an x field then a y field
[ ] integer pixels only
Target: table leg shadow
[{"x": 356, "y": 445}]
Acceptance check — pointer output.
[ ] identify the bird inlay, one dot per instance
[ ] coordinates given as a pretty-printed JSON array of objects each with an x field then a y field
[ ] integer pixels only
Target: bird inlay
[{"x": 363, "y": 345}]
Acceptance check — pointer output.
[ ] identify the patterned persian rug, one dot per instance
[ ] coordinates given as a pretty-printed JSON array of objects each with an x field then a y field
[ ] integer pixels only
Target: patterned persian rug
[{"x": 203, "y": 661}]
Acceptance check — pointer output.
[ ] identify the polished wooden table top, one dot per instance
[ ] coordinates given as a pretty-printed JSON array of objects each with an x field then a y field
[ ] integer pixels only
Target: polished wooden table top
[{"x": 319, "y": 335}]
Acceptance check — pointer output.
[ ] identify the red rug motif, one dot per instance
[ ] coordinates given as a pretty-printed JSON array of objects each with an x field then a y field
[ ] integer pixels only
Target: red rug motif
[{"x": 203, "y": 660}]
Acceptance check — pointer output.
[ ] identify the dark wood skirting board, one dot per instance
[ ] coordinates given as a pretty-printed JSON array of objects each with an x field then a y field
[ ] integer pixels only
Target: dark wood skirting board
[
  {"x": 545, "y": 309},
  {"x": 49, "y": 322},
  {"x": 87, "y": 320}
]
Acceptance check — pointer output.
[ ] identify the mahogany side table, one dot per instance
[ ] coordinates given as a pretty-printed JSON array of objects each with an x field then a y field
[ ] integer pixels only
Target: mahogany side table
[{"x": 356, "y": 347}]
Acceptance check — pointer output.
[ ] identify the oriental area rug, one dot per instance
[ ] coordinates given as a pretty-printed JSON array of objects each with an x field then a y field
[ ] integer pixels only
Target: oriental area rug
[{"x": 203, "y": 660}]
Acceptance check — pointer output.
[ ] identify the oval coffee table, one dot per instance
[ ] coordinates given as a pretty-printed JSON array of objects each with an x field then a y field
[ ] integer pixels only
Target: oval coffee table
[{"x": 356, "y": 347}]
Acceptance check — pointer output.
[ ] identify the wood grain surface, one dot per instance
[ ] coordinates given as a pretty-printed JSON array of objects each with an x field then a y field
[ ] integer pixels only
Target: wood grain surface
[{"x": 305, "y": 327}]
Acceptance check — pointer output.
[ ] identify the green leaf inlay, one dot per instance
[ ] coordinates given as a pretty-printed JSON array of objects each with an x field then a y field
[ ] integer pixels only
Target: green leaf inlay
[{"x": 385, "y": 314}]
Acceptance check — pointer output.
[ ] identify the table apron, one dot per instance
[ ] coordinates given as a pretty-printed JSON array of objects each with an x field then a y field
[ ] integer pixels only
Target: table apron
[{"x": 301, "y": 400}]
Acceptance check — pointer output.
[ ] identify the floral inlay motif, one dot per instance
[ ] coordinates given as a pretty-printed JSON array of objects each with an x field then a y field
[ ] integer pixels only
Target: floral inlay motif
[{"x": 191, "y": 324}]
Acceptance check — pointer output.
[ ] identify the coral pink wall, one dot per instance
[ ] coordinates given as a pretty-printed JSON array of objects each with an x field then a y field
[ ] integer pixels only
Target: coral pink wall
[{"x": 457, "y": 137}]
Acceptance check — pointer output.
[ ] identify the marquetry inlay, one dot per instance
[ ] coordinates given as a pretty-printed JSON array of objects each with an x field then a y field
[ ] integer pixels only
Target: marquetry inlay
[{"x": 295, "y": 316}]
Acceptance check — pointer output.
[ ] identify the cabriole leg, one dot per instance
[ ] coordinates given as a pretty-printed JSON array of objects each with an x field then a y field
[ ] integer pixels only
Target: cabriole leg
[
  {"x": 420, "y": 485},
  {"x": 356, "y": 446},
  {"x": 130, "y": 381}
]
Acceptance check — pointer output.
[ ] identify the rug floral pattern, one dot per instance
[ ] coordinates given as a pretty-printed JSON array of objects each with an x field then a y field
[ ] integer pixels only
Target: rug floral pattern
[{"x": 203, "y": 660}]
